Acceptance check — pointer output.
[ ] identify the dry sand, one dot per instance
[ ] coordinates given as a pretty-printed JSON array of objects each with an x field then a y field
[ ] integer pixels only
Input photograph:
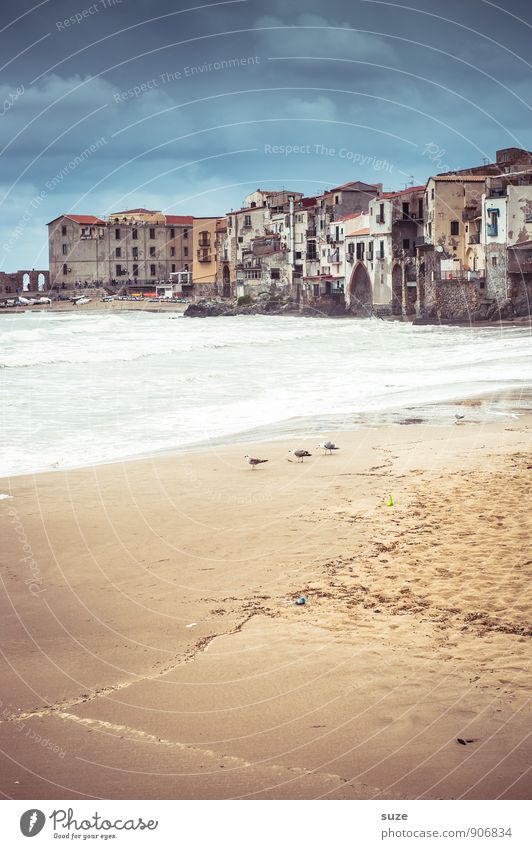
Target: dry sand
[{"x": 151, "y": 647}]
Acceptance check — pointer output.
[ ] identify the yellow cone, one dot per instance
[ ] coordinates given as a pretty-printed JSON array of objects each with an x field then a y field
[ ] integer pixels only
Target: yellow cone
[{"x": 390, "y": 502}]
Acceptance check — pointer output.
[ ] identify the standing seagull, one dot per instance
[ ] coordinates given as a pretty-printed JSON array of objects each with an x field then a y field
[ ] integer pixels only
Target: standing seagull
[
  {"x": 328, "y": 447},
  {"x": 253, "y": 461},
  {"x": 458, "y": 418},
  {"x": 300, "y": 453}
]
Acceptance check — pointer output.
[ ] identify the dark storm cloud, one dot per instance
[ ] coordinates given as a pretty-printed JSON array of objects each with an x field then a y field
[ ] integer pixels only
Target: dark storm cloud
[{"x": 183, "y": 108}]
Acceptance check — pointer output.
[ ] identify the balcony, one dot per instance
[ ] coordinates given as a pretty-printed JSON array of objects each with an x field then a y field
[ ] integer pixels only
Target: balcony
[
  {"x": 474, "y": 239},
  {"x": 520, "y": 266},
  {"x": 204, "y": 256},
  {"x": 204, "y": 243}
]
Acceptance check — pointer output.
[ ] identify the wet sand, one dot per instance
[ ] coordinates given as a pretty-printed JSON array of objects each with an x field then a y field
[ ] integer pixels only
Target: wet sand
[{"x": 152, "y": 649}]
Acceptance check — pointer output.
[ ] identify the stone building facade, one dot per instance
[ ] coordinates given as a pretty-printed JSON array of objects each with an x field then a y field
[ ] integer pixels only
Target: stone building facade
[{"x": 136, "y": 246}]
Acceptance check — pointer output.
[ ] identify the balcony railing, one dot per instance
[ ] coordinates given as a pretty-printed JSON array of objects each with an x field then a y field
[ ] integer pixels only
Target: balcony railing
[
  {"x": 474, "y": 239},
  {"x": 523, "y": 266},
  {"x": 204, "y": 256}
]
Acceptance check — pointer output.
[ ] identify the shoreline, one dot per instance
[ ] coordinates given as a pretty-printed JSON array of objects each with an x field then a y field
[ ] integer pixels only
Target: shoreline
[
  {"x": 509, "y": 403},
  {"x": 152, "y": 632},
  {"x": 132, "y": 306}
]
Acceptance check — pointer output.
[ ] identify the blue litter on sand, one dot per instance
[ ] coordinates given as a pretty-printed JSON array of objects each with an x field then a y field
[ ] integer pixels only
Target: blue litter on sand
[{"x": 301, "y": 600}]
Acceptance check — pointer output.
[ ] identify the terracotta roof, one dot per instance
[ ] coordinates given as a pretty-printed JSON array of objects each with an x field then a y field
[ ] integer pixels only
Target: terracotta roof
[
  {"x": 135, "y": 211},
  {"x": 461, "y": 178},
  {"x": 356, "y": 185},
  {"x": 179, "y": 219},
  {"x": 348, "y": 217},
  {"x": 84, "y": 219},
  {"x": 363, "y": 232},
  {"x": 402, "y": 192}
]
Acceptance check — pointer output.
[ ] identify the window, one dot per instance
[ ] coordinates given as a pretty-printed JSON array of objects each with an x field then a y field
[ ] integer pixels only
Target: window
[
  {"x": 406, "y": 244},
  {"x": 134, "y": 233},
  {"x": 117, "y": 232},
  {"x": 247, "y": 220},
  {"x": 360, "y": 250},
  {"x": 172, "y": 232},
  {"x": 432, "y": 194},
  {"x": 172, "y": 251},
  {"x": 337, "y": 234},
  {"x": 316, "y": 289},
  {"x": 65, "y": 269},
  {"x": 429, "y": 228},
  {"x": 406, "y": 210},
  {"x": 240, "y": 239},
  {"x": 135, "y": 252},
  {"x": 185, "y": 250},
  {"x": 370, "y": 251},
  {"x": 420, "y": 208},
  {"x": 152, "y": 232},
  {"x": 152, "y": 270},
  {"x": 455, "y": 228},
  {"x": 185, "y": 234},
  {"x": 173, "y": 268},
  {"x": 118, "y": 252},
  {"x": 381, "y": 250},
  {"x": 494, "y": 261},
  {"x": 275, "y": 273},
  {"x": 63, "y": 230},
  {"x": 135, "y": 270},
  {"x": 118, "y": 269},
  {"x": 493, "y": 224},
  {"x": 65, "y": 250},
  {"x": 337, "y": 199},
  {"x": 152, "y": 250},
  {"x": 298, "y": 254}
]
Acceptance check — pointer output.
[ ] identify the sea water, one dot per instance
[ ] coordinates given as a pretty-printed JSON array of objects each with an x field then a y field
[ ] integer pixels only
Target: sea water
[{"x": 90, "y": 387}]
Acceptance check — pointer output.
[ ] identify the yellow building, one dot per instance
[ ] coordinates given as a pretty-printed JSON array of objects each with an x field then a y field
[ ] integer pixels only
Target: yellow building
[
  {"x": 204, "y": 267},
  {"x": 453, "y": 210}
]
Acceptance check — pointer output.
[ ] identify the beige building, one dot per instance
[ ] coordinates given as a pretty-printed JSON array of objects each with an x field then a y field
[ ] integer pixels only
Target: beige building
[
  {"x": 204, "y": 247},
  {"x": 139, "y": 247},
  {"x": 453, "y": 208}
]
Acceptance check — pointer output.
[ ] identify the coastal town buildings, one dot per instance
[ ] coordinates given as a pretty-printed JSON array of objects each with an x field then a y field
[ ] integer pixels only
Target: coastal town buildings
[
  {"x": 136, "y": 246},
  {"x": 454, "y": 246}
]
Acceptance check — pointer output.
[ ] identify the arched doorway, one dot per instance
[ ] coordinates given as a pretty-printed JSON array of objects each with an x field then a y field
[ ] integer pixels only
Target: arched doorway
[
  {"x": 360, "y": 294},
  {"x": 40, "y": 282},
  {"x": 226, "y": 285},
  {"x": 26, "y": 282},
  {"x": 397, "y": 290}
]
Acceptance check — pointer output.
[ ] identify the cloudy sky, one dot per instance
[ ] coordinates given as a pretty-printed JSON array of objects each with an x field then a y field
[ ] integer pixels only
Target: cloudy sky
[{"x": 188, "y": 106}]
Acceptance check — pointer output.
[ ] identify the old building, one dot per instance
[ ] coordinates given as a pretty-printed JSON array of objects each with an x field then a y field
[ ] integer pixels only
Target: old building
[
  {"x": 261, "y": 237},
  {"x": 506, "y": 238},
  {"x": 17, "y": 282},
  {"x": 135, "y": 246}
]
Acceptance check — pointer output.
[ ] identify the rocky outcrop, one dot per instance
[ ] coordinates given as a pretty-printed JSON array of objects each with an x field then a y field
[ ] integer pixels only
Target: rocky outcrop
[{"x": 264, "y": 305}]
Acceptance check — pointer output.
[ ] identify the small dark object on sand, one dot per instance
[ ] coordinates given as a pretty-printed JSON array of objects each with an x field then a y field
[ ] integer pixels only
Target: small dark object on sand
[
  {"x": 465, "y": 742},
  {"x": 301, "y": 600}
]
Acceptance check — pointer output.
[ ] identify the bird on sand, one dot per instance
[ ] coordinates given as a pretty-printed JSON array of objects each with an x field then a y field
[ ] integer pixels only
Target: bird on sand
[
  {"x": 458, "y": 417},
  {"x": 300, "y": 453},
  {"x": 328, "y": 447},
  {"x": 253, "y": 461}
]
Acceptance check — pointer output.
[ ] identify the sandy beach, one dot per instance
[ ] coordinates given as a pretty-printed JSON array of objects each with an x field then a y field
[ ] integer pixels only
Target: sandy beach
[{"x": 152, "y": 648}]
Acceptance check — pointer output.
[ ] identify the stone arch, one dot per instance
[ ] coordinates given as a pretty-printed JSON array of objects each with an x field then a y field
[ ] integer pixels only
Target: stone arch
[
  {"x": 397, "y": 290},
  {"x": 41, "y": 282},
  {"x": 360, "y": 293},
  {"x": 26, "y": 282}
]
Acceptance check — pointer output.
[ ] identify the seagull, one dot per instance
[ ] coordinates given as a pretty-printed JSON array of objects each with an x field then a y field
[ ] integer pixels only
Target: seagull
[
  {"x": 253, "y": 461},
  {"x": 300, "y": 453},
  {"x": 328, "y": 447},
  {"x": 458, "y": 418}
]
